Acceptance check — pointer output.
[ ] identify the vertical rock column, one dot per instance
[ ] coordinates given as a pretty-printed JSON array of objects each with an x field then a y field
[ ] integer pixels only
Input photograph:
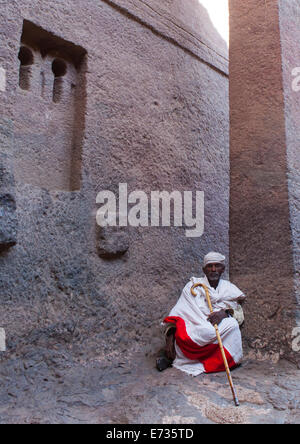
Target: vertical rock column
[
  {"x": 261, "y": 242},
  {"x": 289, "y": 13},
  {"x": 8, "y": 216}
]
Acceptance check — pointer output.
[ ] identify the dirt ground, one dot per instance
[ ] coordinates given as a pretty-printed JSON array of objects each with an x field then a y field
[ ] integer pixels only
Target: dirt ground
[{"x": 129, "y": 390}]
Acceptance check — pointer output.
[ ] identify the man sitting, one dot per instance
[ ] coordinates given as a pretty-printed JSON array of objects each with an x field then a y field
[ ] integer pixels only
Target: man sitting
[{"x": 191, "y": 342}]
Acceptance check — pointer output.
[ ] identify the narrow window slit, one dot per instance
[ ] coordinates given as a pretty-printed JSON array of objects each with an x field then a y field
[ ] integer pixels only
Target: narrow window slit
[
  {"x": 43, "y": 84},
  {"x": 59, "y": 69},
  {"x": 26, "y": 61}
]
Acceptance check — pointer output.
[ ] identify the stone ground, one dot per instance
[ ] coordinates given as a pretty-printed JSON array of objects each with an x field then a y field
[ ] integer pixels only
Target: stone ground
[{"x": 46, "y": 386}]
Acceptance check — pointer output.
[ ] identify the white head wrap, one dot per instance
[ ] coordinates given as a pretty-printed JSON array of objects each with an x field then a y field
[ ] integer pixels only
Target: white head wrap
[{"x": 214, "y": 258}]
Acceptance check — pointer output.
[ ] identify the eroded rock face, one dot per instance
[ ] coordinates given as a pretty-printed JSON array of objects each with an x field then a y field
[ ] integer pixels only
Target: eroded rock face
[
  {"x": 8, "y": 214},
  {"x": 264, "y": 227},
  {"x": 99, "y": 94},
  {"x": 113, "y": 242},
  {"x": 289, "y": 16},
  {"x": 122, "y": 91}
]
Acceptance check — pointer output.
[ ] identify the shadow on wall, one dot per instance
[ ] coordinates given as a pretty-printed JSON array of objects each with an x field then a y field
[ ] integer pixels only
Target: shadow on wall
[{"x": 8, "y": 216}]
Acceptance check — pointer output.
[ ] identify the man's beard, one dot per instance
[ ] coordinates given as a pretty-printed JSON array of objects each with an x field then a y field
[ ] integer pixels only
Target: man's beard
[{"x": 214, "y": 276}]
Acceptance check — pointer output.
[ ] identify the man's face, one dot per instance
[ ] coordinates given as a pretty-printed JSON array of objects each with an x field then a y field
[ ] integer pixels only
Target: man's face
[{"x": 214, "y": 271}]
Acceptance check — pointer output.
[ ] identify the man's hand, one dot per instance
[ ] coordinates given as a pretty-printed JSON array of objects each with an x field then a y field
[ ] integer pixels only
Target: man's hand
[{"x": 217, "y": 317}]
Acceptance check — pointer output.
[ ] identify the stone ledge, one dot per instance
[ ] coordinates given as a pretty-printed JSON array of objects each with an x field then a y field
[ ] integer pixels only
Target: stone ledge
[{"x": 173, "y": 31}]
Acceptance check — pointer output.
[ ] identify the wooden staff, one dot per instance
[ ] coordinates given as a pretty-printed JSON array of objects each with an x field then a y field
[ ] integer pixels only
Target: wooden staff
[{"x": 235, "y": 398}]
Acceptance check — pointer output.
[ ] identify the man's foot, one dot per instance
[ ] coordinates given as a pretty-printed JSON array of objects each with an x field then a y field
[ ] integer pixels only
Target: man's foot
[{"x": 162, "y": 363}]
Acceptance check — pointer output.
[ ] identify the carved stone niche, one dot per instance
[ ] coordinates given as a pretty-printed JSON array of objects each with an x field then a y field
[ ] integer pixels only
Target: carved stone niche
[
  {"x": 49, "y": 117},
  {"x": 112, "y": 242},
  {"x": 8, "y": 207}
]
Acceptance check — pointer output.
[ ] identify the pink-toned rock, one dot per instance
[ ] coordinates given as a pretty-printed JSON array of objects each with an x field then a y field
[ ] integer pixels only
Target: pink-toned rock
[{"x": 262, "y": 244}]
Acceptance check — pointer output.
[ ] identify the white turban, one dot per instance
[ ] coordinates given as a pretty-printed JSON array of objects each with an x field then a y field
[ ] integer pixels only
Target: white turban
[{"x": 214, "y": 258}]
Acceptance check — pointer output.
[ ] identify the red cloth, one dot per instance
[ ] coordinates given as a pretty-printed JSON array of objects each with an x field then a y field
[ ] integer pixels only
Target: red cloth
[{"x": 210, "y": 355}]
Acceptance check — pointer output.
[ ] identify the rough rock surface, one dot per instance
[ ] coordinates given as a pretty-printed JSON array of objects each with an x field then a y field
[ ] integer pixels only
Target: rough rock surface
[
  {"x": 8, "y": 215},
  {"x": 155, "y": 123},
  {"x": 289, "y": 19},
  {"x": 147, "y": 105},
  {"x": 264, "y": 203},
  {"x": 53, "y": 387}
]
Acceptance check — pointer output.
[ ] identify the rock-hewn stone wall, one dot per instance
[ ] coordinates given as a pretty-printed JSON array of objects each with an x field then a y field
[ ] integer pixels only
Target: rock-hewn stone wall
[
  {"x": 264, "y": 158},
  {"x": 290, "y": 33},
  {"x": 153, "y": 113}
]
